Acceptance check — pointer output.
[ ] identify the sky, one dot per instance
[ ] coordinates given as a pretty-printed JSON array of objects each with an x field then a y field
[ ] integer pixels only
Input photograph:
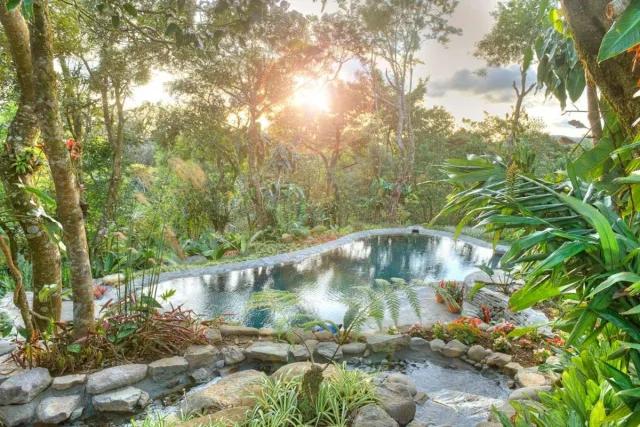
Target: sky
[{"x": 452, "y": 73}]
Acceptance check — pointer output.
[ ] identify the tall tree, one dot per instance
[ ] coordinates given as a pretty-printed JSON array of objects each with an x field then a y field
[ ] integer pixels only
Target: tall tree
[
  {"x": 395, "y": 30},
  {"x": 510, "y": 41},
  {"x": 67, "y": 192},
  {"x": 18, "y": 161}
]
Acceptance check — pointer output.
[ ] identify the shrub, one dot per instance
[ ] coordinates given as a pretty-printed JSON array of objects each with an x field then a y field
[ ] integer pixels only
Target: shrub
[
  {"x": 465, "y": 330},
  {"x": 502, "y": 344},
  {"x": 439, "y": 331}
]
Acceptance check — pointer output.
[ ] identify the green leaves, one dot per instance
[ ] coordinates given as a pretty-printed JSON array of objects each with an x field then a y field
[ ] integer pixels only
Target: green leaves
[
  {"x": 12, "y": 4},
  {"x": 529, "y": 295},
  {"x": 623, "y": 34}
]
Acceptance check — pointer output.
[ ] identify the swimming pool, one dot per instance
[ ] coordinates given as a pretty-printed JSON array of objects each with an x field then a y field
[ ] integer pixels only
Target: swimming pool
[{"x": 320, "y": 279}]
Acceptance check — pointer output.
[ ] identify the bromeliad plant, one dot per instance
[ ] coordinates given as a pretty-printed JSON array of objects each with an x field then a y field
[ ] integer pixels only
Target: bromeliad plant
[{"x": 450, "y": 292}]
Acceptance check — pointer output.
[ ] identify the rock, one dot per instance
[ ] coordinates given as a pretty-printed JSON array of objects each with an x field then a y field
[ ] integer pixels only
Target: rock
[
  {"x": 465, "y": 406},
  {"x": 488, "y": 424},
  {"x": 416, "y": 423},
  {"x": 6, "y": 347},
  {"x": 418, "y": 344},
  {"x": 237, "y": 389},
  {"x": 116, "y": 377},
  {"x": 328, "y": 351},
  {"x": 530, "y": 379},
  {"x": 167, "y": 368},
  {"x": 24, "y": 386},
  {"x": 68, "y": 381},
  {"x": 232, "y": 355},
  {"x": 323, "y": 335},
  {"x": 265, "y": 351},
  {"x": 506, "y": 409},
  {"x": 298, "y": 369},
  {"x": 16, "y": 415},
  {"x": 115, "y": 279},
  {"x": 299, "y": 353},
  {"x": 202, "y": 375},
  {"x": 512, "y": 368},
  {"x": 266, "y": 332},
  {"x": 420, "y": 398},
  {"x": 404, "y": 380},
  {"x": 436, "y": 345},
  {"x": 229, "y": 417},
  {"x": 199, "y": 356},
  {"x": 528, "y": 393},
  {"x": 312, "y": 344},
  {"x": 235, "y": 330},
  {"x": 54, "y": 410},
  {"x": 387, "y": 343},
  {"x": 477, "y": 353},
  {"x": 454, "y": 348},
  {"x": 397, "y": 401},
  {"x": 373, "y": 416},
  {"x": 213, "y": 335},
  {"x": 354, "y": 349},
  {"x": 128, "y": 399},
  {"x": 286, "y": 238},
  {"x": 498, "y": 360}
]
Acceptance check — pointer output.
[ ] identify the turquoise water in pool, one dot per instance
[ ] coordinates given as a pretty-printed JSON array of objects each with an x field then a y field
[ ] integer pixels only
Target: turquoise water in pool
[{"x": 320, "y": 281}]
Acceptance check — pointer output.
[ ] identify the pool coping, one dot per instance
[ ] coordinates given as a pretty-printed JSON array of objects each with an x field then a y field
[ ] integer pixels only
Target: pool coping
[{"x": 299, "y": 255}]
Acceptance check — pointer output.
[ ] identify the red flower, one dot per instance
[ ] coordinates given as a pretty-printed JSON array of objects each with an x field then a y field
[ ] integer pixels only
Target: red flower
[{"x": 70, "y": 143}]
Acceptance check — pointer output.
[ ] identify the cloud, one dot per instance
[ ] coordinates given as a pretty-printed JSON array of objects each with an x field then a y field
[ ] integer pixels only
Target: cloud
[{"x": 495, "y": 84}]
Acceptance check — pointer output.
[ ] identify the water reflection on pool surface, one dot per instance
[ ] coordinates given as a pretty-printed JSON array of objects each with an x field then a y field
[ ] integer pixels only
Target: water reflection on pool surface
[{"x": 320, "y": 278}]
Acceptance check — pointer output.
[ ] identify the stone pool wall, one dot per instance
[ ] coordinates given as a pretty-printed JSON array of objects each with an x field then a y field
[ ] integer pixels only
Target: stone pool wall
[{"x": 33, "y": 396}]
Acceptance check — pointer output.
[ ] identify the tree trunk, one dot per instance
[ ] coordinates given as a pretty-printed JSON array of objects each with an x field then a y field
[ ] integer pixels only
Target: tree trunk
[
  {"x": 255, "y": 177},
  {"x": 593, "y": 107},
  {"x": 21, "y": 137},
  {"x": 116, "y": 141},
  {"x": 19, "y": 295},
  {"x": 67, "y": 194},
  {"x": 614, "y": 77}
]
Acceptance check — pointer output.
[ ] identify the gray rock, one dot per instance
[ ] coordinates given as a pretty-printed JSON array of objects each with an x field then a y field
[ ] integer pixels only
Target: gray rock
[
  {"x": 232, "y": 355},
  {"x": 454, "y": 348},
  {"x": 498, "y": 360},
  {"x": 404, "y": 380},
  {"x": 488, "y": 424},
  {"x": 387, "y": 343},
  {"x": 24, "y": 386},
  {"x": 506, "y": 409},
  {"x": 15, "y": 415},
  {"x": 213, "y": 335},
  {"x": 477, "y": 353},
  {"x": 6, "y": 347},
  {"x": 265, "y": 351},
  {"x": 128, "y": 399},
  {"x": 116, "y": 377},
  {"x": 528, "y": 393},
  {"x": 202, "y": 375},
  {"x": 373, "y": 416},
  {"x": 195, "y": 259},
  {"x": 199, "y": 356},
  {"x": 54, "y": 410},
  {"x": 328, "y": 351},
  {"x": 115, "y": 279},
  {"x": 416, "y": 423},
  {"x": 299, "y": 353},
  {"x": 237, "y": 389},
  {"x": 68, "y": 381},
  {"x": 397, "y": 401},
  {"x": 354, "y": 348},
  {"x": 420, "y": 398},
  {"x": 525, "y": 378},
  {"x": 436, "y": 345},
  {"x": 235, "y": 330},
  {"x": 511, "y": 368},
  {"x": 167, "y": 368},
  {"x": 418, "y": 344}
]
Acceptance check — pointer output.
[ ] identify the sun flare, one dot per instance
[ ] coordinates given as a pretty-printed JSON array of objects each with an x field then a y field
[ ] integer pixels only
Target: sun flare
[{"x": 312, "y": 95}]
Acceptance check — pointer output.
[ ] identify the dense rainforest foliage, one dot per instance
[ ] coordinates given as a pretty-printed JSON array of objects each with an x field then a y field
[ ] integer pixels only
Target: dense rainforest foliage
[{"x": 265, "y": 142}]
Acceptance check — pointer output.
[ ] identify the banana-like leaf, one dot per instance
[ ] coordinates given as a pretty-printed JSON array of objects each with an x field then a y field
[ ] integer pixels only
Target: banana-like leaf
[
  {"x": 623, "y": 34},
  {"x": 625, "y": 276},
  {"x": 530, "y": 295}
]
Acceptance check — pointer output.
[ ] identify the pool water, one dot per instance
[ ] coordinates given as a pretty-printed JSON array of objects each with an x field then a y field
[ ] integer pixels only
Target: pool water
[{"x": 320, "y": 281}]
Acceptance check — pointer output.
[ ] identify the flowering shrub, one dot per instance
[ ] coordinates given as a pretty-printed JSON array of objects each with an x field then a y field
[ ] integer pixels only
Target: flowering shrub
[
  {"x": 439, "y": 331},
  {"x": 540, "y": 355},
  {"x": 502, "y": 344},
  {"x": 556, "y": 341},
  {"x": 464, "y": 332},
  {"x": 504, "y": 328},
  {"x": 418, "y": 330}
]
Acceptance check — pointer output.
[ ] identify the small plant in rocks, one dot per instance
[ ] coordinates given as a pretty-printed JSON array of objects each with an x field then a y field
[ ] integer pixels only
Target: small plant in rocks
[
  {"x": 502, "y": 344},
  {"x": 464, "y": 329},
  {"x": 439, "y": 331}
]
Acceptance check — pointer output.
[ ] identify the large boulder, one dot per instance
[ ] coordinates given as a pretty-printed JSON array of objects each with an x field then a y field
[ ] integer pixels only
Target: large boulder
[
  {"x": 498, "y": 360},
  {"x": 266, "y": 351},
  {"x": 373, "y": 416},
  {"x": 116, "y": 377},
  {"x": 24, "y": 386},
  {"x": 128, "y": 400},
  {"x": 404, "y": 380},
  {"x": 167, "y": 368},
  {"x": 235, "y": 330},
  {"x": 298, "y": 369},
  {"x": 436, "y": 345},
  {"x": 229, "y": 417},
  {"x": 387, "y": 343},
  {"x": 232, "y": 355},
  {"x": 354, "y": 348},
  {"x": 199, "y": 356},
  {"x": 397, "y": 401},
  {"x": 477, "y": 353},
  {"x": 18, "y": 415},
  {"x": 418, "y": 344},
  {"x": 54, "y": 410},
  {"x": 233, "y": 390},
  {"x": 525, "y": 378}
]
